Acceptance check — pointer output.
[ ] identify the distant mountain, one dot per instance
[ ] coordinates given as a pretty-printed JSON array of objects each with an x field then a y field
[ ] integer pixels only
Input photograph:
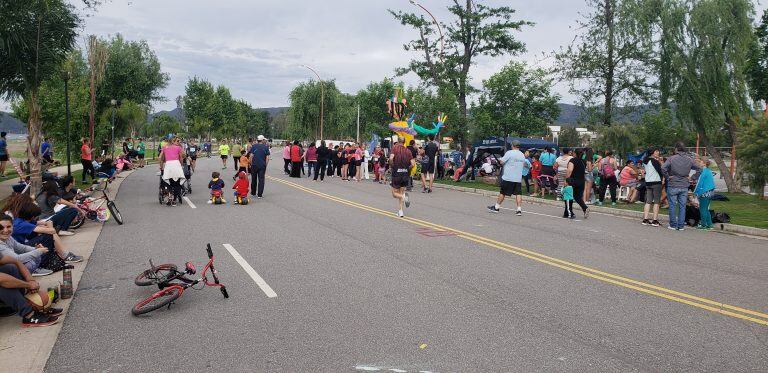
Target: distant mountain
[
  {"x": 274, "y": 111},
  {"x": 175, "y": 113},
  {"x": 11, "y": 125}
]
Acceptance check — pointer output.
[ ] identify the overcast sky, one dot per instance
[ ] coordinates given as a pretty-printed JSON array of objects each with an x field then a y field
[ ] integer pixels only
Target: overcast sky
[{"x": 256, "y": 47}]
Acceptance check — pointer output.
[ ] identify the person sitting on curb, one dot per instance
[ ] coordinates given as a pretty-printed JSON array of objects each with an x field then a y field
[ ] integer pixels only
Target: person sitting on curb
[
  {"x": 30, "y": 231},
  {"x": 31, "y": 257},
  {"x": 15, "y": 283}
]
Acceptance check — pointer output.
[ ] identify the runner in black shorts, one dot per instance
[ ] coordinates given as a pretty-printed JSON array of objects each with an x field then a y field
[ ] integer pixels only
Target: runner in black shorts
[
  {"x": 401, "y": 161},
  {"x": 192, "y": 150}
]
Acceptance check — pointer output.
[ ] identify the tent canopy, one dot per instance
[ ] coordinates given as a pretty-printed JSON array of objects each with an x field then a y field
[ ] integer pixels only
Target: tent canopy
[{"x": 525, "y": 143}]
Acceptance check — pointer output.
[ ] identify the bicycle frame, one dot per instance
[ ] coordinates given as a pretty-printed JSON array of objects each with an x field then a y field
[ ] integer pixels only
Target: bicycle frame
[{"x": 188, "y": 282}]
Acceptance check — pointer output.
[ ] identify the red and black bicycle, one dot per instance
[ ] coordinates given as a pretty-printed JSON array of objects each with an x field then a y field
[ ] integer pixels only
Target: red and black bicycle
[{"x": 173, "y": 282}]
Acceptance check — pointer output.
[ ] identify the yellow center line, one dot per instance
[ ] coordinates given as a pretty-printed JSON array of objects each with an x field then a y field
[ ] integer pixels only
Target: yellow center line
[{"x": 646, "y": 288}]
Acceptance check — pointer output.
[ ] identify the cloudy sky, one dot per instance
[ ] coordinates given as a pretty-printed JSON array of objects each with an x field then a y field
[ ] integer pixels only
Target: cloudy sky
[{"x": 256, "y": 47}]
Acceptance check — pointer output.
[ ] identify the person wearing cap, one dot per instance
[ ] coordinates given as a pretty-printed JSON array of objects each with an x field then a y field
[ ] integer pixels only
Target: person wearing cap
[
  {"x": 259, "y": 159},
  {"x": 511, "y": 178}
]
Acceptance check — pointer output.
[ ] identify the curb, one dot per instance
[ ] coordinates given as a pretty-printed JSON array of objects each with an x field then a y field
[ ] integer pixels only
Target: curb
[{"x": 719, "y": 227}]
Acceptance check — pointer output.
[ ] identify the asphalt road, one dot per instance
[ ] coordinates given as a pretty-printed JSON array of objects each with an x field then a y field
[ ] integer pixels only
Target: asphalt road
[{"x": 449, "y": 288}]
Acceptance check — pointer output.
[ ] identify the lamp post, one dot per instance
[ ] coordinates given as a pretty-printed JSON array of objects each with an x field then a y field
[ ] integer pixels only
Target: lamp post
[
  {"x": 112, "y": 141},
  {"x": 439, "y": 29},
  {"x": 65, "y": 76},
  {"x": 322, "y": 98}
]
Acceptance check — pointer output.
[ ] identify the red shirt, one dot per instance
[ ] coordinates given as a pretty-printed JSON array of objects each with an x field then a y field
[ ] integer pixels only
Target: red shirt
[
  {"x": 295, "y": 154},
  {"x": 84, "y": 154},
  {"x": 536, "y": 169},
  {"x": 241, "y": 186}
]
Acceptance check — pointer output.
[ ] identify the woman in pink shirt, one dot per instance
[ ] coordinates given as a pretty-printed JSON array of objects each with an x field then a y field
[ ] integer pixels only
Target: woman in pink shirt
[
  {"x": 170, "y": 168},
  {"x": 628, "y": 178},
  {"x": 287, "y": 158},
  {"x": 358, "y": 162},
  {"x": 311, "y": 157}
]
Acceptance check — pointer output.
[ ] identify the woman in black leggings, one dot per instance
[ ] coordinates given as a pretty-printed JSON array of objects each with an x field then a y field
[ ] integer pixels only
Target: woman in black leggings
[
  {"x": 576, "y": 172},
  {"x": 86, "y": 159}
]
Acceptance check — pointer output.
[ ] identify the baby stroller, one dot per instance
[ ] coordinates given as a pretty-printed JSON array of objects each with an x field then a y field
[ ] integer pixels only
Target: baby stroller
[
  {"x": 186, "y": 184},
  {"x": 164, "y": 194}
]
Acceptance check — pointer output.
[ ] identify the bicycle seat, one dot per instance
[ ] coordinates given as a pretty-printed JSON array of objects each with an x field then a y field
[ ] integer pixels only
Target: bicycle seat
[{"x": 191, "y": 268}]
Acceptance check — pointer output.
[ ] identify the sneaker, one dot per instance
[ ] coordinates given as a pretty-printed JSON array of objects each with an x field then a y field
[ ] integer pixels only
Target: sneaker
[
  {"x": 646, "y": 222},
  {"x": 586, "y": 213},
  {"x": 53, "y": 312},
  {"x": 41, "y": 272},
  {"x": 407, "y": 199},
  {"x": 72, "y": 258},
  {"x": 680, "y": 229},
  {"x": 259, "y": 197},
  {"x": 599, "y": 203},
  {"x": 520, "y": 213},
  {"x": 168, "y": 202},
  {"x": 66, "y": 233},
  {"x": 655, "y": 223},
  {"x": 173, "y": 203},
  {"x": 223, "y": 200},
  {"x": 570, "y": 217},
  {"x": 38, "y": 319},
  {"x": 671, "y": 228},
  {"x": 493, "y": 209},
  {"x": 209, "y": 202},
  {"x": 429, "y": 190},
  {"x": 424, "y": 190},
  {"x": 400, "y": 213},
  {"x": 613, "y": 203}
]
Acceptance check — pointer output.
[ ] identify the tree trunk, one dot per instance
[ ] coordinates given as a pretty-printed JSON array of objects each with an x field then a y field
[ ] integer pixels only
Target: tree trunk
[
  {"x": 718, "y": 157},
  {"x": 733, "y": 131},
  {"x": 92, "y": 112},
  {"x": 609, "y": 73},
  {"x": 34, "y": 128}
]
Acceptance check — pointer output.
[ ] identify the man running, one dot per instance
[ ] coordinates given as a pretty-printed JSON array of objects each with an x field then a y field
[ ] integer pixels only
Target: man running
[
  {"x": 192, "y": 150},
  {"x": 511, "y": 178},
  {"x": 401, "y": 161}
]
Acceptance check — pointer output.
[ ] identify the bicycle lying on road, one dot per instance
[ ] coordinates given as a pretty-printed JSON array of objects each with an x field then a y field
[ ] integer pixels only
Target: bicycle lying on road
[{"x": 172, "y": 283}]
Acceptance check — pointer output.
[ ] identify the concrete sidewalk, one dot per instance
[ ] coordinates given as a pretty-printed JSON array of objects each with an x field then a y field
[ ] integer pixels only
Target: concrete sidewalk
[{"x": 27, "y": 349}]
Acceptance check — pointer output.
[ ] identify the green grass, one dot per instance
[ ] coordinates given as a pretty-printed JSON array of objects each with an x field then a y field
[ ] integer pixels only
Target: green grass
[{"x": 744, "y": 209}]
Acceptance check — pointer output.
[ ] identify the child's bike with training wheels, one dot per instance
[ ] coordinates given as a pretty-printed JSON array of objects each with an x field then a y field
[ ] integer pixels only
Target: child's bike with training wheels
[
  {"x": 172, "y": 283},
  {"x": 99, "y": 208}
]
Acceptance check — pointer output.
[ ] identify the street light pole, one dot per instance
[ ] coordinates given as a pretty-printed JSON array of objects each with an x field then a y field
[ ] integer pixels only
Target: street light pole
[
  {"x": 439, "y": 29},
  {"x": 322, "y": 98},
  {"x": 65, "y": 75}
]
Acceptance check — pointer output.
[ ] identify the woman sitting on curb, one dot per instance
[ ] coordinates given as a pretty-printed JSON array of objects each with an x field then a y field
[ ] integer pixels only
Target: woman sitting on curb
[{"x": 30, "y": 231}]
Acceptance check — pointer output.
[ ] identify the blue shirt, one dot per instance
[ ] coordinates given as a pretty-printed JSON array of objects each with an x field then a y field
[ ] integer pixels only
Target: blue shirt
[
  {"x": 547, "y": 159},
  {"x": 3, "y": 147},
  {"x": 514, "y": 162},
  {"x": 260, "y": 153},
  {"x": 45, "y": 148},
  {"x": 527, "y": 167},
  {"x": 23, "y": 230}
]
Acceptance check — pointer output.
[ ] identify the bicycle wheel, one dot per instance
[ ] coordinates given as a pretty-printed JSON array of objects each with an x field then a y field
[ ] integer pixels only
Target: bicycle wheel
[
  {"x": 162, "y": 272},
  {"x": 115, "y": 212},
  {"x": 159, "y": 299},
  {"x": 77, "y": 222}
]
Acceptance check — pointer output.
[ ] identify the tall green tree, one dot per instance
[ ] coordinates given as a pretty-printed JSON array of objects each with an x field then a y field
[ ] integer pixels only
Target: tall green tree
[
  {"x": 568, "y": 137},
  {"x": 199, "y": 105},
  {"x": 709, "y": 62},
  {"x": 609, "y": 59},
  {"x": 757, "y": 62},
  {"x": 517, "y": 101},
  {"x": 36, "y": 37},
  {"x": 132, "y": 73},
  {"x": 619, "y": 138},
  {"x": 752, "y": 151},
  {"x": 339, "y": 112},
  {"x": 97, "y": 63},
  {"x": 474, "y": 30}
]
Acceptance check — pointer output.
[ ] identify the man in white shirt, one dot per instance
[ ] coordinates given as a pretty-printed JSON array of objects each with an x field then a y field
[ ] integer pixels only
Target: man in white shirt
[{"x": 511, "y": 178}]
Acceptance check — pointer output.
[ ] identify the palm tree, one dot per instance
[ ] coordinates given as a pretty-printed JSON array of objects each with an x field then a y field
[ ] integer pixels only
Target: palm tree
[
  {"x": 36, "y": 36},
  {"x": 97, "y": 63}
]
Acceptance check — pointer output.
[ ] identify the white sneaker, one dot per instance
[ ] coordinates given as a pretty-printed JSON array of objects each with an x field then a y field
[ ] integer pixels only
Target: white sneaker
[
  {"x": 209, "y": 202},
  {"x": 41, "y": 272},
  {"x": 66, "y": 233},
  {"x": 400, "y": 213}
]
